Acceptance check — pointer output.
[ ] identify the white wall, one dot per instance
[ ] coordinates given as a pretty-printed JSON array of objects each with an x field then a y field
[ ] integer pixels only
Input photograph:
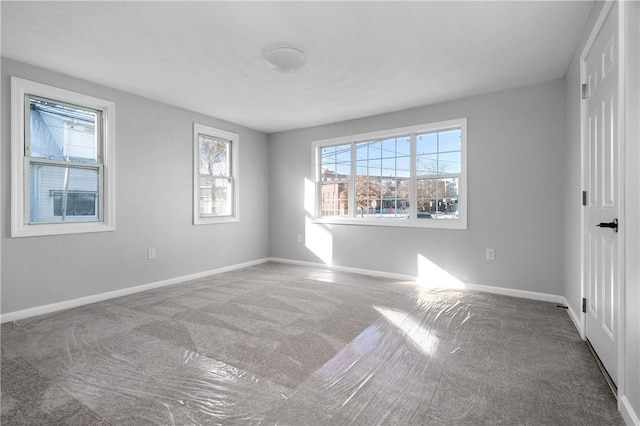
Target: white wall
[
  {"x": 515, "y": 195},
  {"x": 153, "y": 202}
]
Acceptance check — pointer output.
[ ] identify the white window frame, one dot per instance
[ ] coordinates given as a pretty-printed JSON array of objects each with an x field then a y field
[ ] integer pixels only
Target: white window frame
[
  {"x": 234, "y": 138},
  {"x": 413, "y": 221},
  {"x": 20, "y": 226}
]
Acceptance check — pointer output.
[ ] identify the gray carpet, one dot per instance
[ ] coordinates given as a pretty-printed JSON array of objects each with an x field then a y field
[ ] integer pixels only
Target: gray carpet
[{"x": 281, "y": 344}]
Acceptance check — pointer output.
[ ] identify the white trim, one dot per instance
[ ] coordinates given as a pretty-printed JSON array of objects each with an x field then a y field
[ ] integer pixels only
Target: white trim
[
  {"x": 74, "y": 303},
  {"x": 235, "y": 175},
  {"x": 525, "y": 294},
  {"x": 595, "y": 30},
  {"x": 626, "y": 410},
  {"x": 574, "y": 318},
  {"x": 361, "y": 137},
  {"x": 412, "y": 222},
  {"x": 369, "y": 272},
  {"x": 19, "y": 228},
  {"x": 606, "y": 10}
]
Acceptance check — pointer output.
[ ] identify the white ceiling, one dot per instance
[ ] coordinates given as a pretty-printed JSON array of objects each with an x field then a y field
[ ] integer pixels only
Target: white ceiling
[{"x": 365, "y": 58}]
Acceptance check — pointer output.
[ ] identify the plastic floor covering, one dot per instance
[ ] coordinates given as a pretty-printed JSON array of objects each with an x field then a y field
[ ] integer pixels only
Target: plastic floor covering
[{"x": 289, "y": 345}]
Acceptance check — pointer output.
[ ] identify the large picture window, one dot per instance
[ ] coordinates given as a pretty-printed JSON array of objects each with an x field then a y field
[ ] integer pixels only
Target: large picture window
[
  {"x": 414, "y": 176},
  {"x": 215, "y": 177},
  {"x": 62, "y": 158}
]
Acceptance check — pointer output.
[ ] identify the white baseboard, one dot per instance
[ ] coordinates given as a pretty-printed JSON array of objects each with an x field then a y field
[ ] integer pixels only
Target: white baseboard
[
  {"x": 525, "y": 294},
  {"x": 574, "y": 318},
  {"x": 344, "y": 269},
  {"x": 45, "y": 309},
  {"x": 54, "y": 307},
  {"x": 630, "y": 417},
  {"x": 545, "y": 297}
]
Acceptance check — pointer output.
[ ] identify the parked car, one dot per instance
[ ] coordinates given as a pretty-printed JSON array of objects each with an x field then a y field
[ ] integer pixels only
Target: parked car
[{"x": 424, "y": 215}]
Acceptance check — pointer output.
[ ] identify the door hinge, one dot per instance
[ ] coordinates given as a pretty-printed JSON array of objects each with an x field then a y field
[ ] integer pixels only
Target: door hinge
[
  {"x": 584, "y": 198},
  {"x": 584, "y": 304},
  {"x": 585, "y": 91}
]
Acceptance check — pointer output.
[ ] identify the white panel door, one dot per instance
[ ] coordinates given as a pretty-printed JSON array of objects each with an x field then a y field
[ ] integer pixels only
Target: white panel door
[{"x": 603, "y": 204}]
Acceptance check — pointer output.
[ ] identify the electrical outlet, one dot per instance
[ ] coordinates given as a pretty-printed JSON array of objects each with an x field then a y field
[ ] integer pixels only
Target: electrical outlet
[
  {"x": 491, "y": 254},
  {"x": 299, "y": 239},
  {"x": 151, "y": 253}
]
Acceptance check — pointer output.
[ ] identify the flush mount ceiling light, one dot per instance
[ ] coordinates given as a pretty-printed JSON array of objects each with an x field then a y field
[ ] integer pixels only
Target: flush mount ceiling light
[{"x": 285, "y": 58}]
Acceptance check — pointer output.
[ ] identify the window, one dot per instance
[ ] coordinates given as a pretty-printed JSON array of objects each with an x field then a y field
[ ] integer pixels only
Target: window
[
  {"x": 63, "y": 177},
  {"x": 413, "y": 176},
  {"x": 74, "y": 203},
  {"x": 215, "y": 175}
]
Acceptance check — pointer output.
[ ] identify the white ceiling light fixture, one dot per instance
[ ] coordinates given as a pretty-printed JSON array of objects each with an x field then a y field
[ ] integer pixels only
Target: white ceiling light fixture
[{"x": 286, "y": 58}]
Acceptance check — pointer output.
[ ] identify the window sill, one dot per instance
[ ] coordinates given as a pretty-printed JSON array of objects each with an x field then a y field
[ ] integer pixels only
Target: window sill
[
  {"x": 214, "y": 220},
  {"x": 45, "y": 229},
  {"x": 457, "y": 224}
]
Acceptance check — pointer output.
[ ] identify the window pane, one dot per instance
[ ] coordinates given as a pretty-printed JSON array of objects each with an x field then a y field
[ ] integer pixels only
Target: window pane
[
  {"x": 438, "y": 198},
  {"x": 214, "y": 156},
  {"x": 329, "y": 172},
  {"x": 215, "y": 196},
  {"x": 439, "y": 153},
  {"x": 362, "y": 151},
  {"x": 403, "y": 188},
  {"x": 380, "y": 164},
  {"x": 403, "y": 145},
  {"x": 335, "y": 163},
  {"x": 448, "y": 208},
  {"x": 449, "y": 140},
  {"x": 388, "y": 167},
  {"x": 427, "y": 143},
  {"x": 374, "y": 168},
  {"x": 62, "y": 194},
  {"x": 375, "y": 149},
  {"x": 62, "y": 132},
  {"x": 427, "y": 164},
  {"x": 367, "y": 191},
  {"x": 328, "y": 154},
  {"x": 362, "y": 168},
  {"x": 449, "y": 162},
  {"x": 403, "y": 166},
  {"x": 343, "y": 170},
  {"x": 388, "y": 148},
  {"x": 335, "y": 199},
  {"x": 388, "y": 188},
  {"x": 427, "y": 198},
  {"x": 343, "y": 153}
]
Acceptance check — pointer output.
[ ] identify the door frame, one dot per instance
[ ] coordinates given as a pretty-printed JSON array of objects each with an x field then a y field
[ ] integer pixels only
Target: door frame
[{"x": 620, "y": 332}]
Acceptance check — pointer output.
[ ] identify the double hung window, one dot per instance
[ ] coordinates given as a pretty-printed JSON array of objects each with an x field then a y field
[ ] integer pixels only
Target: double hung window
[
  {"x": 215, "y": 176},
  {"x": 413, "y": 176},
  {"x": 62, "y": 174}
]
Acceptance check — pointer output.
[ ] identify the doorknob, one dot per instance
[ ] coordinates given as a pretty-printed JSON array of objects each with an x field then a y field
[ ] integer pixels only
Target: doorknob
[{"x": 613, "y": 225}]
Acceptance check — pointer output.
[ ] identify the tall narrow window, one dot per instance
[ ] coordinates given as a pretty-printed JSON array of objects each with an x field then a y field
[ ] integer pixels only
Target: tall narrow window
[
  {"x": 215, "y": 175},
  {"x": 438, "y": 171},
  {"x": 63, "y": 155},
  {"x": 334, "y": 180},
  {"x": 382, "y": 178},
  {"x": 62, "y": 181}
]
